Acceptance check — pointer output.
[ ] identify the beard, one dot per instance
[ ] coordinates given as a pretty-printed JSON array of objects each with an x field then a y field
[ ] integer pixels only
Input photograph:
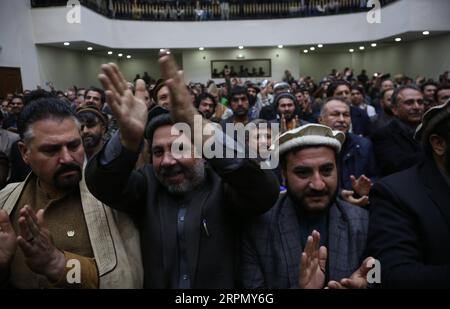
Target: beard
[
  {"x": 289, "y": 116},
  {"x": 193, "y": 176},
  {"x": 206, "y": 115},
  {"x": 67, "y": 182},
  {"x": 301, "y": 200},
  {"x": 240, "y": 111},
  {"x": 91, "y": 141}
]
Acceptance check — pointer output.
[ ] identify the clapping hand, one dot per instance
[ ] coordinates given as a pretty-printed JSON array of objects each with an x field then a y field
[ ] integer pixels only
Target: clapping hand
[{"x": 313, "y": 263}]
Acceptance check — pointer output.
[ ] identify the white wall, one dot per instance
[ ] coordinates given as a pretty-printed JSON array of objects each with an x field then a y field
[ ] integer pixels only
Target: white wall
[
  {"x": 428, "y": 57},
  {"x": 67, "y": 68},
  {"x": 17, "y": 40}
]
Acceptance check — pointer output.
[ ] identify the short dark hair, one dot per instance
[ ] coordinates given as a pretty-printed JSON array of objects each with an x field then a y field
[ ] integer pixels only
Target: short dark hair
[
  {"x": 441, "y": 87},
  {"x": 202, "y": 96},
  {"x": 238, "y": 90},
  {"x": 333, "y": 86},
  {"x": 99, "y": 90},
  {"x": 384, "y": 92},
  {"x": 17, "y": 97},
  {"x": 37, "y": 94},
  {"x": 397, "y": 91},
  {"x": 358, "y": 88},
  {"x": 428, "y": 83},
  {"x": 40, "y": 109}
]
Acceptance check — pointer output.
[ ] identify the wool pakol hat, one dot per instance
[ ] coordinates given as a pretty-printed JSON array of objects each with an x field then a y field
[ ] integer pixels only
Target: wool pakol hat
[{"x": 310, "y": 135}]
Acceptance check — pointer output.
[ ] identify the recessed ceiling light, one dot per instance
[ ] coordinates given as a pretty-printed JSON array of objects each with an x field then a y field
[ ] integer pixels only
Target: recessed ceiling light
[
  {"x": 120, "y": 55},
  {"x": 128, "y": 56},
  {"x": 398, "y": 39},
  {"x": 241, "y": 47},
  {"x": 201, "y": 48},
  {"x": 89, "y": 48},
  {"x": 320, "y": 45},
  {"x": 374, "y": 45},
  {"x": 362, "y": 48},
  {"x": 240, "y": 56},
  {"x": 110, "y": 53},
  {"x": 426, "y": 32},
  {"x": 280, "y": 46},
  {"x": 66, "y": 43},
  {"x": 312, "y": 48},
  {"x": 306, "y": 51},
  {"x": 351, "y": 50}
]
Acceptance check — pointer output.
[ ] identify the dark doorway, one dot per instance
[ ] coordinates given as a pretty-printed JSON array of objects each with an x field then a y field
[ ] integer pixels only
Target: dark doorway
[{"x": 10, "y": 81}]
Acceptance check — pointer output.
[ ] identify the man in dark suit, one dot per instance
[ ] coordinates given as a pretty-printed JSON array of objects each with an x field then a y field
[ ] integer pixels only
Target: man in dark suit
[
  {"x": 409, "y": 230},
  {"x": 309, "y": 218},
  {"x": 356, "y": 163},
  {"x": 394, "y": 145},
  {"x": 360, "y": 119},
  {"x": 188, "y": 210}
]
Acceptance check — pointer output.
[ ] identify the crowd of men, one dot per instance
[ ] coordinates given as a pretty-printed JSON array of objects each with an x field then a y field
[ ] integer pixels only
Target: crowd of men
[{"x": 90, "y": 177}]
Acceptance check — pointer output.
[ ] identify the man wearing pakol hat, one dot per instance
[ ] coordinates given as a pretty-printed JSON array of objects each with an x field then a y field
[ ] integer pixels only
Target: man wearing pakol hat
[
  {"x": 308, "y": 218},
  {"x": 409, "y": 229}
]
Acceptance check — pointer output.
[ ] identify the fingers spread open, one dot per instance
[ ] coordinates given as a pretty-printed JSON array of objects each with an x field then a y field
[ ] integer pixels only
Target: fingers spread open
[{"x": 115, "y": 84}]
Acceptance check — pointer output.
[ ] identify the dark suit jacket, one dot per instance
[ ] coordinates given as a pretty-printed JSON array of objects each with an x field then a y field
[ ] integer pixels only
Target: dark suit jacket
[
  {"x": 356, "y": 158},
  {"x": 271, "y": 247},
  {"x": 360, "y": 121},
  {"x": 409, "y": 230},
  {"x": 226, "y": 197},
  {"x": 395, "y": 149}
]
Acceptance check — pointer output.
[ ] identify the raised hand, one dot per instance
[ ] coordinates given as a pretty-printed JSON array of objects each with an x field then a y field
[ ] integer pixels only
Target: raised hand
[
  {"x": 358, "y": 280},
  {"x": 361, "y": 185},
  {"x": 348, "y": 196},
  {"x": 41, "y": 255},
  {"x": 313, "y": 263},
  {"x": 283, "y": 124},
  {"x": 129, "y": 110},
  {"x": 8, "y": 243},
  {"x": 182, "y": 109}
]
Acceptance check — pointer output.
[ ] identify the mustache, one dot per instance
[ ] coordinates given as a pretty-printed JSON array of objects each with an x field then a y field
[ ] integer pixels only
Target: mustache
[
  {"x": 315, "y": 193},
  {"x": 67, "y": 168},
  {"x": 169, "y": 171}
]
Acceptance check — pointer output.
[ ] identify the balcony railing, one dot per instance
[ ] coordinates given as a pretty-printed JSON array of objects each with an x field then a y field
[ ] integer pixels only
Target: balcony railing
[{"x": 167, "y": 10}]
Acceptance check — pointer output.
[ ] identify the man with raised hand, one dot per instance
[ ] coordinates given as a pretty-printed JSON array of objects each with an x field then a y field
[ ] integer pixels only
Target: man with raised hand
[{"x": 189, "y": 209}]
